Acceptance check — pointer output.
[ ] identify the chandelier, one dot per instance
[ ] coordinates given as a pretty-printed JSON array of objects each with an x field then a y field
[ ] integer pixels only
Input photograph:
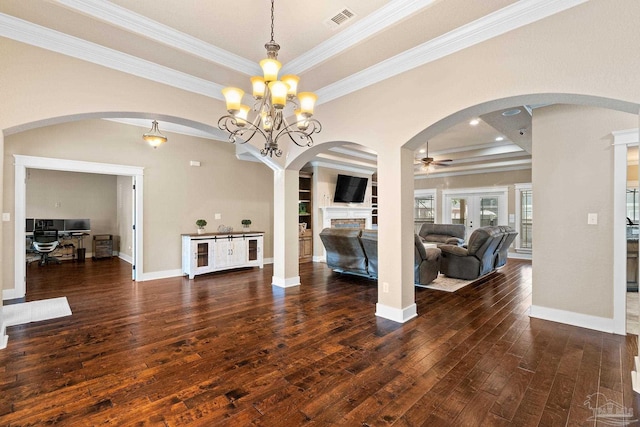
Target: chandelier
[
  {"x": 153, "y": 136},
  {"x": 271, "y": 96}
]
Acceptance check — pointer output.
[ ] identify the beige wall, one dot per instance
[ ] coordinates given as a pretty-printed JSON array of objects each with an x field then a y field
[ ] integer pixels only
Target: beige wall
[
  {"x": 59, "y": 195},
  {"x": 573, "y": 176},
  {"x": 175, "y": 194}
]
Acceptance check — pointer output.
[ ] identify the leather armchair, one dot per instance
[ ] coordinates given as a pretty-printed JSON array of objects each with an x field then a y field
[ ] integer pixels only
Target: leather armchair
[
  {"x": 426, "y": 265},
  {"x": 442, "y": 234},
  {"x": 369, "y": 239},
  {"x": 479, "y": 257},
  {"x": 344, "y": 249}
]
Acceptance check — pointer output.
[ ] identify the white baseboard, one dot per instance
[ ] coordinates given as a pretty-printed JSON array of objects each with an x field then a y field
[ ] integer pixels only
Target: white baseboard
[
  {"x": 267, "y": 261},
  {"x": 285, "y": 282},
  {"x": 4, "y": 338},
  {"x": 3, "y": 332},
  {"x": 154, "y": 275},
  {"x": 520, "y": 255},
  {"x": 10, "y": 294},
  {"x": 587, "y": 321},
  {"x": 397, "y": 314},
  {"x": 319, "y": 259},
  {"x": 125, "y": 257}
]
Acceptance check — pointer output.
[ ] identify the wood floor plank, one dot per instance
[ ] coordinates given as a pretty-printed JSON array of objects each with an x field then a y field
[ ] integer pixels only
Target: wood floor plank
[{"x": 228, "y": 349}]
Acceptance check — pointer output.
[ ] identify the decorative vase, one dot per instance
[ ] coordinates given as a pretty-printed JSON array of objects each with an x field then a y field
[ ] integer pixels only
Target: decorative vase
[{"x": 200, "y": 230}]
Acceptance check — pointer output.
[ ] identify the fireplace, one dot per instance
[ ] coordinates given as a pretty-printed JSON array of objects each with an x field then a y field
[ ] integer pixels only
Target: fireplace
[
  {"x": 346, "y": 216},
  {"x": 348, "y": 223}
]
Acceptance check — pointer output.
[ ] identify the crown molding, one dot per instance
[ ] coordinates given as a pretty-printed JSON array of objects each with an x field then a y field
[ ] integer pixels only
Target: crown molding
[
  {"x": 342, "y": 167},
  {"x": 135, "y": 23},
  {"x": 355, "y": 153},
  {"x": 360, "y": 30},
  {"x": 36, "y": 35},
  {"x": 482, "y": 169},
  {"x": 509, "y": 18}
]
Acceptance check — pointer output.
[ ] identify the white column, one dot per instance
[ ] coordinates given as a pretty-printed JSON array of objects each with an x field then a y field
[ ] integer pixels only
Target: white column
[
  {"x": 396, "y": 293},
  {"x": 3, "y": 329},
  {"x": 285, "y": 229}
]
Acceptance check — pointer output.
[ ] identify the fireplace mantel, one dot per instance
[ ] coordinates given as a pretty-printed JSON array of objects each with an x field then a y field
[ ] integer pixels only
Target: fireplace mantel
[{"x": 345, "y": 212}]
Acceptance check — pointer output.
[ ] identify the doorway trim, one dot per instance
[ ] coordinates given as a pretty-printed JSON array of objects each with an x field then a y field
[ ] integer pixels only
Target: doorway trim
[
  {"x": 22, "y": 163},
  {"x": 621, "y": 140}
]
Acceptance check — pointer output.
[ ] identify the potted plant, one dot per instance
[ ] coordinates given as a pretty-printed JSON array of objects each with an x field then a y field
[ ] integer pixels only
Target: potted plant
[
  {"x": 201, "y": 223},
  {"x": 245, "y": 224}
]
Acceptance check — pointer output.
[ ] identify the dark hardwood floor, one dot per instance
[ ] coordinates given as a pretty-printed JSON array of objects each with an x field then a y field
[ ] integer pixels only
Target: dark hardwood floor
[{"x": 230, "y": 349}]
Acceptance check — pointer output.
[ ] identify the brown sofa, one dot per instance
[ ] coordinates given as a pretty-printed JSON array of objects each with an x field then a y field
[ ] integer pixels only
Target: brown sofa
[{"x": 356, "y": 251}]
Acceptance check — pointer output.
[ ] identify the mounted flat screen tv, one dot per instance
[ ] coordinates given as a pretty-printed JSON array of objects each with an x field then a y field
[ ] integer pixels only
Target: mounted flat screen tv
[{"x": 350, "y": 189}]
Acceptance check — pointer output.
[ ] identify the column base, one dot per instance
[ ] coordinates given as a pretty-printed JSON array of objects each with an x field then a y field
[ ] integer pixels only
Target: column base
[
  {"x": 285, "y": 282},
  {"x": 396, "y": 314}
]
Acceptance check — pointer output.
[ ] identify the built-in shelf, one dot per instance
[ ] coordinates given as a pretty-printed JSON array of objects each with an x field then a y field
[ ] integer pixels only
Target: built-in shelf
[
  {"x": 305, "y": 209},
  {"x": 374, "y": 202}
]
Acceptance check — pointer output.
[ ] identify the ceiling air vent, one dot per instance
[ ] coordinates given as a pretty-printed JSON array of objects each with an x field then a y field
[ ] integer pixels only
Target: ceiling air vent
[{"x": 341, "y": 17}]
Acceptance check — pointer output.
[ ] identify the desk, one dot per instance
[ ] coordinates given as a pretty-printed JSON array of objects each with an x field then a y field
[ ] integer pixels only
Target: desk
[{"x": 78, "y": 250}]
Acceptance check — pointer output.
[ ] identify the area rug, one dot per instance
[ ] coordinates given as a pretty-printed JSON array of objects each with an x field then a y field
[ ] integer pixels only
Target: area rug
[
  {"x": 35, "y": 311},
  {"x": 446, "y": 284}
]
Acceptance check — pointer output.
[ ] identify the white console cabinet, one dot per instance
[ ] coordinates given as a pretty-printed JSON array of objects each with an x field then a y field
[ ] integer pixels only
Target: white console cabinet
[{"x": 205, "y": 253}]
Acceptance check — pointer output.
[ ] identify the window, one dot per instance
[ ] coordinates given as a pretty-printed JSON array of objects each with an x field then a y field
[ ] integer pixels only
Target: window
[
  {"x": 524, "y": 217},
  {"x": 632, "y": 205},
  {"x": 424, "y": 208}
]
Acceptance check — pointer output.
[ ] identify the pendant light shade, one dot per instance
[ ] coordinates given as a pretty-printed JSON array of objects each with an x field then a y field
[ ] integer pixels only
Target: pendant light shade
[{"x": 154, "y": 137}]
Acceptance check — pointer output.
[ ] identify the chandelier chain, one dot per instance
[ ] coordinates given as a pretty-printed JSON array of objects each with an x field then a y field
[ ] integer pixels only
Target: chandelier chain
[{"x": 272, "y": 12}]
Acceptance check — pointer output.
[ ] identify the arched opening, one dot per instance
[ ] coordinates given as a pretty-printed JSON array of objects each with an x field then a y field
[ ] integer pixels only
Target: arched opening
[{"x": 612, "y": 216}]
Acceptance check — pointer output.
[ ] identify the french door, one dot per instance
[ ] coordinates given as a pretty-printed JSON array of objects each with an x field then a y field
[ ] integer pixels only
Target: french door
[{"x": 475, "y": 208}]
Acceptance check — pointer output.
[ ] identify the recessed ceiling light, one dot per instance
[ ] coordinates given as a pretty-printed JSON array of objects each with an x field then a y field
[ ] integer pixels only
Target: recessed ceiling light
[
  {"x": 422, "y": 151},
  {"x": 513, "y": 112},
  {"x": 500, "y": 138},
  {"x": 474, "y": 122}
]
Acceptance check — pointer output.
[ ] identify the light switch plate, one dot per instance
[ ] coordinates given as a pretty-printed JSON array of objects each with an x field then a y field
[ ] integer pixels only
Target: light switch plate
[
  {"x": 592, "y": 219},
  {"x": 217, "y": 216},
  {"x": 6, "y": 216}
]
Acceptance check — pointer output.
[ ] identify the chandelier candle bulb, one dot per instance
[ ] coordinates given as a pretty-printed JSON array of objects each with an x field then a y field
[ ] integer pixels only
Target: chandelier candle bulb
[
  {"x": 301, "y": 120},
  {"x": 270, "y": 68},
  {"x": 307, "y": 102},
  {"x": 233, "y": 96},
  {"x": 278, "y": 91},
  {"x": 242, "y": 115},
  {"x": 292, "y": 81},
  {"x": 258, "y": 85}
]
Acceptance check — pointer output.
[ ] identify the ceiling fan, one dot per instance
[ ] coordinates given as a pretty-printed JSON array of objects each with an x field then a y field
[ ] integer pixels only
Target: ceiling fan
[{"x": 427, "y": 161}]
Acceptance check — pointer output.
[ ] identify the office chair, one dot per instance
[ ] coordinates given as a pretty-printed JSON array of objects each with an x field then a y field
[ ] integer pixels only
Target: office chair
[{"x": 45, "y": 242}]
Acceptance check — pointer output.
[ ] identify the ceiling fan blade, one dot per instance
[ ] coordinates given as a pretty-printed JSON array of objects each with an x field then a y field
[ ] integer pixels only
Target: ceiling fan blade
[{"x": 439, "y": 163}]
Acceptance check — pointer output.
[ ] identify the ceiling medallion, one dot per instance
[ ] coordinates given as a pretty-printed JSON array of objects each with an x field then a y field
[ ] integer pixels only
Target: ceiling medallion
[{"x": 271, "y": 96}]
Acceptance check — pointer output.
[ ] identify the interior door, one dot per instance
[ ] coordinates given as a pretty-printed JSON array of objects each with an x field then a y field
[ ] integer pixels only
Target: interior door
[
  {"x": 475, "y": 210},
  {"x": 134, "y": 221}
]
